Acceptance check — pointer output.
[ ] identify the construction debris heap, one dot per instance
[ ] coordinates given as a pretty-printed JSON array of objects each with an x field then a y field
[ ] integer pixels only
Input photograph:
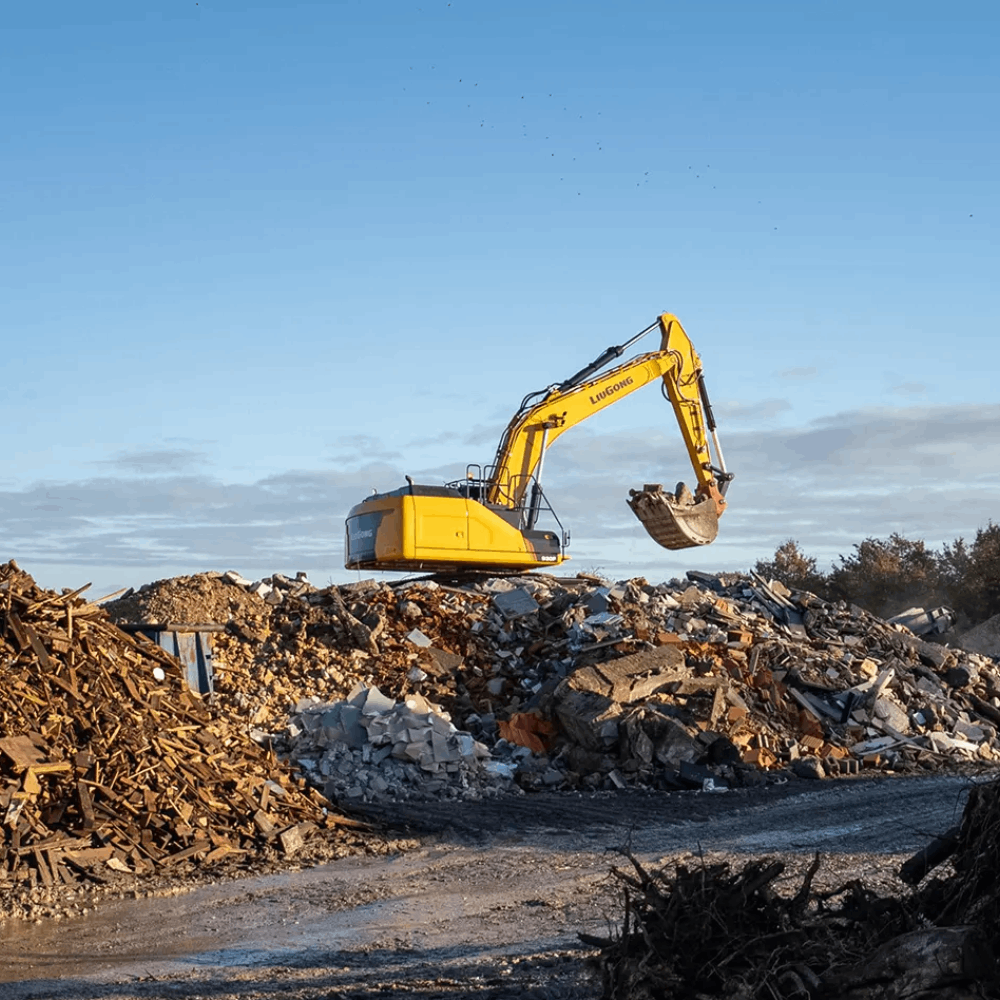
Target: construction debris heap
[
  {"x": 110, "y": 765},
  {"x": 721, "y": 677}
]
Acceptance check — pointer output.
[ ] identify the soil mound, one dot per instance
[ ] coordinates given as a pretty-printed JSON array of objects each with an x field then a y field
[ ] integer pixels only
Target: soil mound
[{"x": 204, "y": 598}]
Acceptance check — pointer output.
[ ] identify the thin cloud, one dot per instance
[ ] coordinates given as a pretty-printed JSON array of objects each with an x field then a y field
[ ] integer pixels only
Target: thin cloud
[
  {"x": 156, "y": 461},
  {"x": 910, "y": 389},
  {"x": 764, "y": 409},
  {"x": 360, "y": 448}
]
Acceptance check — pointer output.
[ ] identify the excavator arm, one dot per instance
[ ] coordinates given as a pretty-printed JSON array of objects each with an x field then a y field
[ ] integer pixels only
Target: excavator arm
[{"x": 537, "y": 425}]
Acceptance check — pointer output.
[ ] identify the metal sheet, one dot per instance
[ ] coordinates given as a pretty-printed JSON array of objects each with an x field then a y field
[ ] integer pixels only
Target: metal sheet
[{"x": 194, "y": 650}]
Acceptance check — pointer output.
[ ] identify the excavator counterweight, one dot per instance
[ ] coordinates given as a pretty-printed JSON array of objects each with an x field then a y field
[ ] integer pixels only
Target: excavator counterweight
[{"x": 490, "y": 520}]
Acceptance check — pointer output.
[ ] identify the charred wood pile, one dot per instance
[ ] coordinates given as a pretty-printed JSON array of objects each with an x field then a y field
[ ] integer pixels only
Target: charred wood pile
[{"x": 694, "y": 933}]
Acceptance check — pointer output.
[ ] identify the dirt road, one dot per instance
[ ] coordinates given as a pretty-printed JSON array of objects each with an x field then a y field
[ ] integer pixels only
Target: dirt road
[{"x": 489, "y": 906}]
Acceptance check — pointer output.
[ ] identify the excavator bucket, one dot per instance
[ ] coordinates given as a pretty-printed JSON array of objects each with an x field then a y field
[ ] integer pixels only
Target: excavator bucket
[{"x": 678, "y": 520}]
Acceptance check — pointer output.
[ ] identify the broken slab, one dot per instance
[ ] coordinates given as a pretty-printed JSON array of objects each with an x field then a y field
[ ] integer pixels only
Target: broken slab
[
  {"x": 515, "y": 603},
  {"x": 418, "y": 638},
  {"x": 921, "y": 621},
  {"x": 630, "y": 678},
  {"x": 589, "y": 719},
  {"x": 672, "y": 743}
]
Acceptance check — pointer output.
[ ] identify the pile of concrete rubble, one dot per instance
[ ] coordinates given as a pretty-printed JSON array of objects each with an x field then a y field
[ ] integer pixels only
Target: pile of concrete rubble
[
  {"x": 711, "y": 682},
  {"x": 370, "y": 748}
]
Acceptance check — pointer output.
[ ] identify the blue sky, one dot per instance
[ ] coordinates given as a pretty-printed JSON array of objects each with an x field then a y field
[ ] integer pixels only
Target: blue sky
[{"x": 258, "y": 258}]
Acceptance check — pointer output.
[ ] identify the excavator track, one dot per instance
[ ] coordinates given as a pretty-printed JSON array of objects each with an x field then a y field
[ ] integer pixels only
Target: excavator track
[{"x": 676, "y": 520}]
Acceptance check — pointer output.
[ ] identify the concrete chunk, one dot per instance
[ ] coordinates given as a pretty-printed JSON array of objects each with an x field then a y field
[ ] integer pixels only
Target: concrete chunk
[
  {"x": 808, "y": 767},
  {"x": 376, "y": 703},
  {"x": 440, "y": 662},
  {"x": 515, "y": 603},
  {"x": 597, "y": 601}
]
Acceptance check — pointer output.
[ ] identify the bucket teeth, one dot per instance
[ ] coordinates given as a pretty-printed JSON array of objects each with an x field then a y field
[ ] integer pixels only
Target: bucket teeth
[{"x": 677, "y": 520}]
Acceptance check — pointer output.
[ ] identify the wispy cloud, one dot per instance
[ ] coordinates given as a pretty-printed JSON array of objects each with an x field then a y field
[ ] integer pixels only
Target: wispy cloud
[
  {"x": 156, "y": 461},
  {"x": 476, "y": 436},
  {"x": 910, "y": 389},
  {"x": 744, "y": 413},
  {"x": 354, "y": 448}
]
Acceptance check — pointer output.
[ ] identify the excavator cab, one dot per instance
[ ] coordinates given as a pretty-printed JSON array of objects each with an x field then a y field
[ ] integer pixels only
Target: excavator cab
[{"x": 453, "y": 528}]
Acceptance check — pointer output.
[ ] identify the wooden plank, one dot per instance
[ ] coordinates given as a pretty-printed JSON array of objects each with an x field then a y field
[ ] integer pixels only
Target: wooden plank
[
  {"x": 36, "y": 644},
  {"x": 69, "y": 688},
  {"x": 188, "y": 852},
  {"x": 51, "y": 767},
  {"x": 17, "y": 629},
  {"x": 264, "y": 822},
  {"x": 44, "y": 871},
  {"x": 81, "y": 869},
  {"x": 65, "y": 599},
  {"x": 291, "y": 840},
  {"x": 225, "y": 851},
  {"x": 22, "y": 751},
  {"x": 131, "y": 688}
]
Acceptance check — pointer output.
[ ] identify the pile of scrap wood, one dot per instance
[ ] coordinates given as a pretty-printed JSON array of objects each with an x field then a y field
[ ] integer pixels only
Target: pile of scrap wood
[
  {"x": 108, "y": 763},
  {"x": 702, "y": 932}
]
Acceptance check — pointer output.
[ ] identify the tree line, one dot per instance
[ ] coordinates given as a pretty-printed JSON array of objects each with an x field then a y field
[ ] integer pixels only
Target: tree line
[{"x": 888, "y": 575}]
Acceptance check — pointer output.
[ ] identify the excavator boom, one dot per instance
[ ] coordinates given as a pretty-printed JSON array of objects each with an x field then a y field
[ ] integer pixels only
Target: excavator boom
[{"x": 675, "y": 521}]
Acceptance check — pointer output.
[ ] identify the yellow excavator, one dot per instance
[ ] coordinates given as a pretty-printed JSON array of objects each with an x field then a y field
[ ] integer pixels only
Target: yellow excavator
[{"x": 490, "y": 521}]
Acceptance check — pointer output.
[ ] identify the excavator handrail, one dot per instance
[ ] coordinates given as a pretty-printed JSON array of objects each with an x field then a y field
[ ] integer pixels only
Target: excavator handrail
[{"x": 478, "y": 488}]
